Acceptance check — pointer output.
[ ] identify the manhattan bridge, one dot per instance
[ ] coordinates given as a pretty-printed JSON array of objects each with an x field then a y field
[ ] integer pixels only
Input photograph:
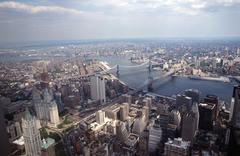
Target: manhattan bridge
[{"x": 144, "y": 68}]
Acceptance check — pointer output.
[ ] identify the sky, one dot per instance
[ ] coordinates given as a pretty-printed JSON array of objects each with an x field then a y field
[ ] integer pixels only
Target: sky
[{"x": 43, "y": 20}]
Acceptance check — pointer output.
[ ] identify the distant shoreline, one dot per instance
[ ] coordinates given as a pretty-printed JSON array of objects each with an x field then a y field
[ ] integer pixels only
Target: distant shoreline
[
  {"x": 205, "y": 78},
  {"x": 52, "y": 43}
]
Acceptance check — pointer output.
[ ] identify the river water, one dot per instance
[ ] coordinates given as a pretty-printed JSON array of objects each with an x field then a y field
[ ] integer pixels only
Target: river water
[{"x": 170, "y": 86}]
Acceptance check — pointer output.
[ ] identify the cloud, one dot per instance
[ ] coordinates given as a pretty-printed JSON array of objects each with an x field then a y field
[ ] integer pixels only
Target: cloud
[
  {"x": 199, "y": 6},
  {"x": 37, "y": 9},
  {"x": 188, "y": 11},
  {"x": 118, "y": 7}
]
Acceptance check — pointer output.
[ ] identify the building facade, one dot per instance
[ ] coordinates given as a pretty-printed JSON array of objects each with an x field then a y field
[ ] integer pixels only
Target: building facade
[
  {"x": 189, "y": 126},
  {"x": 176, "y": 147},
  {"x": 235, "y": 107},
  {"x": 45, "y": 107},
  {"x": 31, "y": 135},
  {"x": 98, "y": 92},
  {"x": 100, "y": 117}
]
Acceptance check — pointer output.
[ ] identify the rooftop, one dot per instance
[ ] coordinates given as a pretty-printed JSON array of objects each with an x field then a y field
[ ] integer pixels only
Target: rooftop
[
  {"x": 178, "y": 142},
  {"x": 207, "y": 106},
  {"x": 132, "y": 139},
  {"x": 46, "y": 143},
  {"x": 19, "y": 141}
]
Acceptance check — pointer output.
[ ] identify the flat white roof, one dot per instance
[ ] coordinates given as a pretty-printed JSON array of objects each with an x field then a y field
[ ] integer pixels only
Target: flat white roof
[{"x": 19, "y": 141}]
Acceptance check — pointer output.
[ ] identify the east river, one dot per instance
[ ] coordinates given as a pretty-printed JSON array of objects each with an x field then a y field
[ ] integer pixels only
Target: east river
[{"x": 169, "y": 86}]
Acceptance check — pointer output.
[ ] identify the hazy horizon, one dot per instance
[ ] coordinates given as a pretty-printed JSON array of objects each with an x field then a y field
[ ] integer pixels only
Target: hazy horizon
[{"x": 37, "y": 43}]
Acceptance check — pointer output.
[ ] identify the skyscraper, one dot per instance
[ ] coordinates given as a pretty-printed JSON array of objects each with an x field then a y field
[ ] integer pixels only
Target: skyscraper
[
  {"x": 213, "y": 100},
  {"x": 146, "y": 113},
  {"x": 31, "y": 135},
  {"x": 53, "y": 114},
  {"x": 127, "y": 98},
  {"x": 184, "y": 101},
  {"x": 147, "y": 102},
  {"x": 100, "y": 117},
  {"x": 123, "y": 112},
  {"x": 155, "y": 136},
  {"x": 235, "y": 107},
  {"x": 98, "y": 89},
  {"x": 14, "y": 130},
  {"x": 238, "y": 51},
  {"x": 46, "y": 107},
  {"x": 38, "y": 104},
  {"x": 139, "y": 125},
  {"x": 4, "y": 143},
  {"x": 121, "y": 131},
  {"x": 195, "y": 110},
  {"x": 175, "y": 118},
  {"x": 58, "y": 99},
  {"x": 206, "y": 116},
  {"x": 194, "y": 94},
  {"x": 189, "y": 126}
]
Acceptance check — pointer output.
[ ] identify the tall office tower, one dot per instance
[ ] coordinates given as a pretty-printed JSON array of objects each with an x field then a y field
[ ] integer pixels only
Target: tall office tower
[
  {"x": 235, "y": 107},
  {"x": 213, "y": 100},
  {"x": 176, "y": 147},
  {"x": 15, "y": 131},
  {"x": 53, "y": 114},
  {"x": 113, "y": 112},
  {"x": 175, "y": 118},
  {"x": 46, "y": 107},
  {"x": 164, "y": 121},
  {"x": 189, "y": 126},
  {"x": 126, "y": 105},
  {"x": 139, "y": 125},
  {"x": 184, "y": 101},
  {"x": 146, "y": 113},
  {"x": 100, "y": 117},
  {"x": 238, "y": 51},
  {"x": 45, "y": 79},
  {"x": 147, "y": 102},
  {"x": 41, "y": 105},
  {"x": 194, "y": 94},
  {"x": 31, "y": 135},
  {"x": 98, "y": 89},
  {"x": 38, "y": 104},
  {"x": 121, "y": 131},
  {"x": 58, "y": 99},
  {"x": 221, "y": 63},
  {"x": 127, "y": 98},
  {"x": 155, "y": 136},
  {"x": 123, "y": 112},
  {"x": 195, "y": 111},
  {"x": 4, "y": 142},
  {"x": 206, "y": 116}
]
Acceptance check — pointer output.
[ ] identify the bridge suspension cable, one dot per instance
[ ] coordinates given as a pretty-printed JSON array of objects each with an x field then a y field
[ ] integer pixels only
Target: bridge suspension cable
[{"x": 124, "y": 66}]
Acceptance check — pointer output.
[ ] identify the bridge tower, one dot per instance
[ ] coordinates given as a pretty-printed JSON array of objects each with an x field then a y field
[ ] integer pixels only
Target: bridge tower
[
  {"x": 149, "y": 66},
  {"x": 150, "y": 77},
  {"x": 117, "y": 71}
]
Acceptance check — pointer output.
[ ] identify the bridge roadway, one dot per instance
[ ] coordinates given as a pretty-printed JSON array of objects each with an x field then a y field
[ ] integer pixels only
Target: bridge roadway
[
  {"x": 154, "y": 80},
  {"x": 148, "y": 81}
]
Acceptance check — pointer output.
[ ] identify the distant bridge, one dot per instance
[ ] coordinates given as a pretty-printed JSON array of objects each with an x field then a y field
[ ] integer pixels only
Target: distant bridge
[
  {"x": 147, "y": 67},
  {"x": 151, "y": 80}
]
